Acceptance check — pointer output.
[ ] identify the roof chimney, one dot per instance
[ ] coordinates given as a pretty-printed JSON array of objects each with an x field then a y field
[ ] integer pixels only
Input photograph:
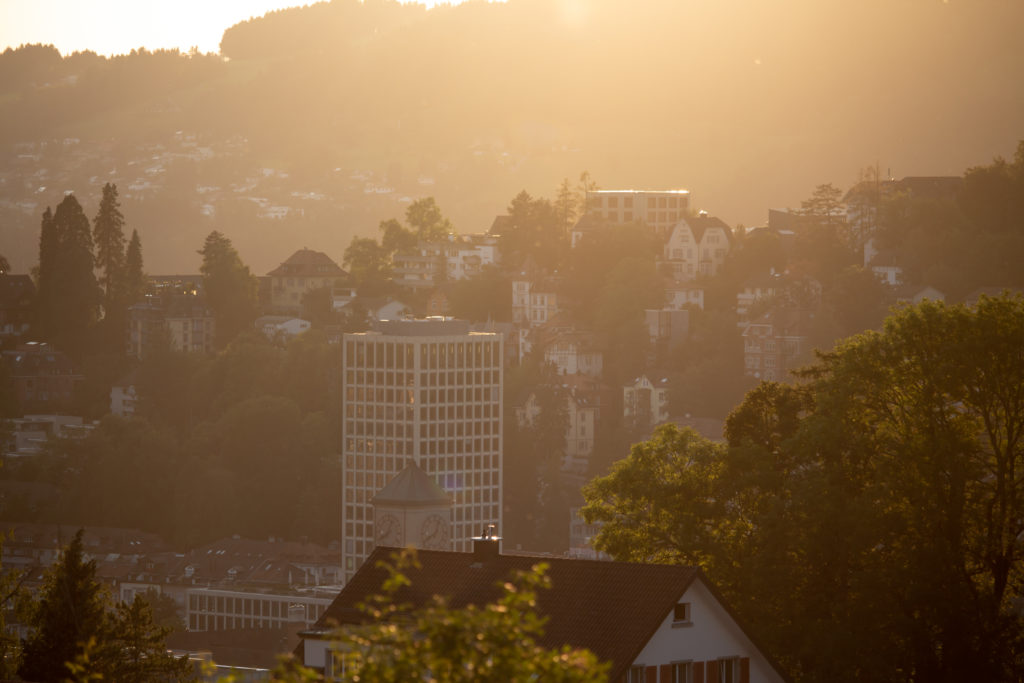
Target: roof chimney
[{"x": 486, "y": 546}]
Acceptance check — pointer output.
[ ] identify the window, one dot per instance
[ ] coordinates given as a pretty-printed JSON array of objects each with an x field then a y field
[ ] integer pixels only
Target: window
[
  {"x": 681, "y": 615},
  {"x": 729, "y": 670},
  {"x": 635, "y": 674},
  {"x": 682, "y": 672}
]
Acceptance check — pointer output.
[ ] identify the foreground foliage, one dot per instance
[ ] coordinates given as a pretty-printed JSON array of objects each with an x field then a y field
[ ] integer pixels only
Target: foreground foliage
[{"x": 869, "y": 522}]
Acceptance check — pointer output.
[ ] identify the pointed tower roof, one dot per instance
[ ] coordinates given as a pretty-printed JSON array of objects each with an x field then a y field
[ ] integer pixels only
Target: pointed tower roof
[{"x": 412, "y": 487}]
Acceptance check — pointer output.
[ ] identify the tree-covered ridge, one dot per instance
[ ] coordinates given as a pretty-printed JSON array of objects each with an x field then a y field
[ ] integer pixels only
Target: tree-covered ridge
[
  {"x": 842, "y": 508},
  {"x": 386, "y": 86}
]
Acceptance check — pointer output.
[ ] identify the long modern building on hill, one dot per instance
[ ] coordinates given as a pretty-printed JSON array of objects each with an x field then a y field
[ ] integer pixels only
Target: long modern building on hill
[
  {"x": 425, "y": 392},
  {"x": 660, "y": 209}
]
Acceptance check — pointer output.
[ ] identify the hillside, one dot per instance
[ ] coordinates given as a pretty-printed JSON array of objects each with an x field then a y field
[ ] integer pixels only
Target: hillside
[{"x": 747, "y": 104}]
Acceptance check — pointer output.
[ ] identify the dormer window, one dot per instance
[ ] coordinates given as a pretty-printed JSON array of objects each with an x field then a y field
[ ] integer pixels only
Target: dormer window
[{"x": 681, "y": 614}]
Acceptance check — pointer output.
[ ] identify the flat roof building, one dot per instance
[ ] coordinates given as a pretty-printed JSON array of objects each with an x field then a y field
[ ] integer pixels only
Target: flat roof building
[
  {"x": 427, "y": 392},
  {"x": 659, "y": 209}
]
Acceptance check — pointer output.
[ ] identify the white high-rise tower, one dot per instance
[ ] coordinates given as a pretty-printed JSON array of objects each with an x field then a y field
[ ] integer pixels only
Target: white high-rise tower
[{"x": 428, "y": 392}]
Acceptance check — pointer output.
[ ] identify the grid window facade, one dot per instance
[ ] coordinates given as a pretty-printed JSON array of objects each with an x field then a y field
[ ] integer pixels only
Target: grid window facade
[{"x": 432, "y": 399}]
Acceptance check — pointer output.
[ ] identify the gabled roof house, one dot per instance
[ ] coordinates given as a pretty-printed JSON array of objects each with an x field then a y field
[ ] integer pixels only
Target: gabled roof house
[{"x": 653, "y": 623}]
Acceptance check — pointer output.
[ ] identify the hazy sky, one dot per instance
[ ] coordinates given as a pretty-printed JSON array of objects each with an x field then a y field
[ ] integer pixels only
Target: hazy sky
[{"x": 118, "y": 26}]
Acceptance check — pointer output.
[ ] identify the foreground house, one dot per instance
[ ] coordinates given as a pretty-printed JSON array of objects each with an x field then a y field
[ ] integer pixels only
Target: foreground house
[{"x": 653, "y": 623}]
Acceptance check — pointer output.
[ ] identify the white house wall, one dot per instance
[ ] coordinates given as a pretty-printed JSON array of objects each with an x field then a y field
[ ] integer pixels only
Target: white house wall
[{"x": 711, "y": 635}]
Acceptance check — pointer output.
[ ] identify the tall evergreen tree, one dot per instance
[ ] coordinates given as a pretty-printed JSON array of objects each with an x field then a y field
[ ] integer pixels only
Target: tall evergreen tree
[
  {"x": 69, "y": 304},
  {"x": 229, "y": 287},
  {"x": 43, "y": 315},
  {"x": 108, "y": 234},
  {"x": 134, "y": 279},
  {"x": 69, "y": 613}
]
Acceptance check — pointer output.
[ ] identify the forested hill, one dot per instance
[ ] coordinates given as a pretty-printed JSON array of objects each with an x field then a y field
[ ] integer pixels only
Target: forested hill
[{"x": 749, "y": 104}]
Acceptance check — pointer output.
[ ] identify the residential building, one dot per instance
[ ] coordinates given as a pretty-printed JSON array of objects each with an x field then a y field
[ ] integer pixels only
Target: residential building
[
  {"x": 654, "y": 623},
  {"x": 574, "y": 353},
  {"x": 16, "y": 294},
  {"x": 44, "y": 379},
  {"x": 31, "y": 432},
  {"x": 773, "y": 342},
  {"x": 457, "y": 258},
  {"x": 667, "y": 325},
  {"x": 534, "y": 301},
  {"x": 645, "y": 403},
  {"x": 181, "y": 320},
  {"x": 303, "y": 271},
  {"x": 885, "y": 265},
  {"x": 682, "y": 294},
  {"x": 123, "y": 396},
  {"x": 695, "y": 245},
  {"x": 754, "y": 289},
  {"x": 915, "y": 294},
  {"x": 658, "y": 209},
  {"x": 427, "y": 392}
]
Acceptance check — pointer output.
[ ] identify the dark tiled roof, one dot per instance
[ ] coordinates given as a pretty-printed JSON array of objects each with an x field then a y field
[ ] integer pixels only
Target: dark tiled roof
[
  {"x": 500, "y": 224},
  {"x": 700, "y": 224},
  {"x": 306, "y": 262},
  {"x": 610, "y": 608}
]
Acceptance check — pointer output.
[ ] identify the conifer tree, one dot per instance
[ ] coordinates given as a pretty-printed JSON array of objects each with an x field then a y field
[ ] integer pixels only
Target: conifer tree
[
  {"x": 68, "y": 306},
  {"x": 134, "y": 280},
  {"x": 44, "y": 276},
  {"x": 108, "y": 234},
  {"x": 137, "y": 649},
  {"x": 70, "y": 612}
]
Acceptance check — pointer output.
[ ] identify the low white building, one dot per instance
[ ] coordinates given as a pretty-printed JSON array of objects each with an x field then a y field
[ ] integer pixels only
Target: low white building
[{"x": 281, "y": 327}]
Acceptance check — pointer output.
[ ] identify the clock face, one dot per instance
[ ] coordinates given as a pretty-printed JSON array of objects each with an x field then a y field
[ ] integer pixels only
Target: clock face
[
  {"x": 434, "y": 534},
  {"x": 389, "y": 531}
]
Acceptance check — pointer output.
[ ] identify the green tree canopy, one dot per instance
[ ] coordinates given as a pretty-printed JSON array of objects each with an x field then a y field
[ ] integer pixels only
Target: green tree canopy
[
  {"x": 869, "y": 523},
  {"x": 229, "y": 287},
  {"x": 426, "y": 219},
  {"x": 369, "y": 264}
]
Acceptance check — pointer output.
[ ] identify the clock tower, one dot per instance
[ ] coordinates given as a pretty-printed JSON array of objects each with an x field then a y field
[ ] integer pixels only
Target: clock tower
[{"x": 412, "y": 510}]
